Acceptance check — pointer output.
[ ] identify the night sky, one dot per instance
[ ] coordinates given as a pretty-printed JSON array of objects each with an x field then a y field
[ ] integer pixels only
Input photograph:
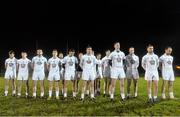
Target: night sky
[{"x": 27, "y": 25}]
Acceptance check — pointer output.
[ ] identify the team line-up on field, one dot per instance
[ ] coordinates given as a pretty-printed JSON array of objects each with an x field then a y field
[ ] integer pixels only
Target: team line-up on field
[{"x": 115, "y": 65}]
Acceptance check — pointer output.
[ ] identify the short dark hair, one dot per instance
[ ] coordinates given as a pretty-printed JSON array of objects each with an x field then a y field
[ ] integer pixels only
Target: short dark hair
[
  {"x": 88, "y": 46},
  {"x": 149, "y": 45},
  {"x": 167, "y": 47},
  {"x": 11, "y": 52},
  {"x": 116, "y": 42},
  {"x": 55, "y": 50},
  {"x": 71, "y": 50},
  {"x": 23, "y": 52}
]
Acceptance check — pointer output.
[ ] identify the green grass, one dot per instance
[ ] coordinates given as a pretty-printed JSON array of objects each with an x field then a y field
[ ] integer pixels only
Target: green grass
[{"x": 139, "y": 106}]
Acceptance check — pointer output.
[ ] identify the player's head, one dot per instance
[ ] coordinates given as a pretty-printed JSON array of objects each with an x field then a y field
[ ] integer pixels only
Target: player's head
[
  {"x": 61, "y": 55},
  {"x": 98, "y": 56},
  {"x": 80, "y": 55},
  {"x": 107, "y": 52},
  {"x": 168, "y": 50},
  {"x": 150, "y": 49},
  {"x": 39, "y": 52},
  {"x": 131, "y": 50},
  {"x": 117, "y": 46},
  {"x": 71, "y": 52},
  {"x": 54, "y": 53},
  {"x": 89, "y": 50},
  {"x": 24, "y": 54},
  {"x": 92, "y": 52},
  {"x": 11, "y": 53}
]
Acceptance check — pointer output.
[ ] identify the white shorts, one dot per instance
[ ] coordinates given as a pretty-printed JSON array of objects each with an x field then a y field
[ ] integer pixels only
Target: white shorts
[
  {"x": 168, "y": 75},
  {"x": 54, "y": 76},
  {"x": 117, "y": 73},
  {"x": 10, "y": 75},
  {"x": 69, "y": 75},
  {"x": 88, "y": 75},
  {"x": 152, "y": 75},
  {"x": 38, "y": 76},
  {"x": 22, "y": 76}
]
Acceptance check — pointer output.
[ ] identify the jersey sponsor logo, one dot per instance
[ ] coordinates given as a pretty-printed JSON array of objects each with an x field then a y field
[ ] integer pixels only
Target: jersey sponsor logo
[
  {"x": 11, "y": 64},
  {"x": 169, "y": 62},
  {"x": 118, "y": 59},
  {"x": 39, "y": 62},
  {"x": 70, "y": 62},
  {"x": 53, "y": 64},
  {"x": 89, "y": 61},
  {"x": 152, "y": 62},
  {"x": 23, "y": 65}
]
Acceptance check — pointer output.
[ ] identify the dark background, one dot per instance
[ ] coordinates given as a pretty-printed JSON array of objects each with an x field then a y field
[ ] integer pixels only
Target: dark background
[{"x": 27, "y": 25}]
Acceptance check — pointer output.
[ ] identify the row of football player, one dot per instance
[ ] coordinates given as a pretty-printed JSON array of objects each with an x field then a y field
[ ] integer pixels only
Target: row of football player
[{"x": 91, "y": 69}]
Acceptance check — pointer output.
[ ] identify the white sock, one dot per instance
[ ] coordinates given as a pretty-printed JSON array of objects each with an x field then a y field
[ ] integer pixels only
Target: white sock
[
  {"x": 26, "y": 94},
  {"x": 149, "y": 95},
  {"x": 163, "y": 95},
  {"x": 50, "y": 93},
  {"x": 62, "y": 91},
  {"x": 34, "y": 94},
  {"x": 122, "y": 95},
  {"x": 42, "y": 94},
  {"x": 92, "y": 95},
  {"x": 6, "y": 93},
  {"x": 155, "y": 97},
  {"x": 112, "y": 96},
  {"x": 82, "y": 95},
  {"x": 135, "y": 94},
  {"x": 14, "y": 92},
  {"x": 65, "y": 94},
  {"x": 104, "y": 92},
  {"x": 57, "y": 93},
  {"x": 19, "y": 94},
  {"x": 74, "y": 94},
  {"x": 171, "y": 95}
]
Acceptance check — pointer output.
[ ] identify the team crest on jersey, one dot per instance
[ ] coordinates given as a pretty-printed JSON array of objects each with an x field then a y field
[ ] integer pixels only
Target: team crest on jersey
[
  {"x": 53, "y": 65},
  {"x": 88, "y": 61},
  {"x": 11, "y": 64},
  {"x": 23, "y": 65},
  {"x": 70, "y": 62}
]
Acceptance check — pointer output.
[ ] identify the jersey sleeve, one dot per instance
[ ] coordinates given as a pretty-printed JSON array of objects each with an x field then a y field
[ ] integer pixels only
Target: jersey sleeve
[{"x": 143, "y": 62}]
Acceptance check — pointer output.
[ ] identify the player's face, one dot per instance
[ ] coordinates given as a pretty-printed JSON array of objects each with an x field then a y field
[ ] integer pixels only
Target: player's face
[
  {"x": 73, "y": 53},
  {"x": 99, "y": 56},
  {"x": 150, "y": 49},
  {"x": 117, "y": 46},
  {"x": 54, "y": 53},
  {"x": 11, "y": 55},
  {"x": 39, "y": 52},
  {"x": 70, "y": 53},
  {"x": 108, "y": 53},
  {"x": 131, "y": 50},
  {"x": 168, "y": 51},
  {"x": 80, "y": 55},
  {"x": 24, "y": 55},
  {"x": 89, "y": 50},
  {"x": 61, "y": 55}
]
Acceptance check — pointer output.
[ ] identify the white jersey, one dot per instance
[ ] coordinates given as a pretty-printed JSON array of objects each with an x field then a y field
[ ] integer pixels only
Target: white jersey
[
  {"x": 117, "y": 59},
  {"x": 70, "y": 62},
  {"x": 88, "y": 62},
  {"x": 167, "y": 62},
  {"x": 150, "y": 62},
  {"x": 11, "y": 64},
  {"x": 99, "y": 69},
  {"x": 54, "y": 64},
  {"x": 23, "y": 65},
  {"x": 106, "y": 66},
  {"x": 39, "y": 63}
]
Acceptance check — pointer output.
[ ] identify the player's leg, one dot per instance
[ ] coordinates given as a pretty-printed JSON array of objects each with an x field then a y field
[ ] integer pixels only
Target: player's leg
[
  {"x": 74, "y": 88},
  {"x": 42, "y": 88},
  {"x": 57, "y": 89},
  {"x": 112, "y": 88},
  {"x": 13, "y": 86},
  {"x": 84, "y": 85},
  {"x": 170, "y": 87},
  {"x": 92, "y": 88},
  {"x": 50, "y": 89},
  {"x": 34, "y": 88},
  {"x": 27, "y": 87},
  {"x": 65, "y": 88},
  {"x": 105, "y": 87},
  {"x": 163, "y": 89},
  {"x": 135, "y": 81},
  {"x": 87, "y": 88},
  {"x": 98, "y": 86},
  {"x": 155, "y": 90},
  {"x": 6, "y": 87},
  {"x": 128, "y": 87},
  {"x": 122, "y": 88},
  {"x": 20, "y": 82},
  {"x": 149, "y": 83}
]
